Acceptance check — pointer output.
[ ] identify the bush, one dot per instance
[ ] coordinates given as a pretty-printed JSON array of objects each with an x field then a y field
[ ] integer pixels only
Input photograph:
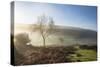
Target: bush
[{"x": 22, "y": 38}]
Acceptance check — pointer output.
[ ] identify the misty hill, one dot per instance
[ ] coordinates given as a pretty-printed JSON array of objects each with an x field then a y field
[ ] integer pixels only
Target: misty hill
[
  {"x": 70, "y": 35},
  {"x": 65, "y": 30},
  {"x": 76, "y": 32}
]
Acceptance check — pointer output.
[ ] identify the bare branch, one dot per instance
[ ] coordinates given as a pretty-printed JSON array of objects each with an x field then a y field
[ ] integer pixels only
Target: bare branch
[{"x": 44, "y": 26}]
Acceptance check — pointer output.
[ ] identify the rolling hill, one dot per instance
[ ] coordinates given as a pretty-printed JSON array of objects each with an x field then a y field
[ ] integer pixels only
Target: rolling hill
[{"x": 70, "y": 35}]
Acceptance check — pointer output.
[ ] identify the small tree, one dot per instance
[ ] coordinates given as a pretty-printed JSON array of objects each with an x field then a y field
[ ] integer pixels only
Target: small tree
[
  {"x": 45, "y": 26},
  {"x": 61, "y": 39}
]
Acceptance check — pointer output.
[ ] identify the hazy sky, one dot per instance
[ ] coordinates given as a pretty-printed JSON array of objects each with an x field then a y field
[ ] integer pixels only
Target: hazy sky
[{"x": 66, "y": 15}]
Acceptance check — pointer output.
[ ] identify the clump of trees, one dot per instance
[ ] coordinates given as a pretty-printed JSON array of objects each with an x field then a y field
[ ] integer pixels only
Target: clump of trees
[
  {"x": 22, "y": 38},
  {"x": 45, "y": 27}
]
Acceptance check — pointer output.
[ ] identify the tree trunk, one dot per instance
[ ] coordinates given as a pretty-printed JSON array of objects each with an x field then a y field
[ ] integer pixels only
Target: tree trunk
[{"x": 43, "y": 41}]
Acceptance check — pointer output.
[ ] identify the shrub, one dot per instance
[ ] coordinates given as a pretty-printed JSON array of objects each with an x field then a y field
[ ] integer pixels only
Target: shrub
[{"x": 22, "y": 38}]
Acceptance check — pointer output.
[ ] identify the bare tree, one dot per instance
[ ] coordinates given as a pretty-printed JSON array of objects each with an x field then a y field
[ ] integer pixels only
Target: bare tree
[{"x": 45, "y": 26}]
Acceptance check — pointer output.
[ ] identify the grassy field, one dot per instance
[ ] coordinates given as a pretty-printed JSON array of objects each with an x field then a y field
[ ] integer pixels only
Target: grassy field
[
  {"x": 83, "y": 55},
  {"x": 55, "y": 40}
]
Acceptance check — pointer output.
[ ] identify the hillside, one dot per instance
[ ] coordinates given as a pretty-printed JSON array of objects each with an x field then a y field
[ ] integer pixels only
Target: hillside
[
  {"x": 70, "y": 35},
  {"x": 76, "y": 32}
]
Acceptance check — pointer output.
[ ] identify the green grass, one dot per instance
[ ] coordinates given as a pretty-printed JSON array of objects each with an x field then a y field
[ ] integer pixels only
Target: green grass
[
  {"x": 83, "y": 55},
  {"x": 87, "y": 55}
]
